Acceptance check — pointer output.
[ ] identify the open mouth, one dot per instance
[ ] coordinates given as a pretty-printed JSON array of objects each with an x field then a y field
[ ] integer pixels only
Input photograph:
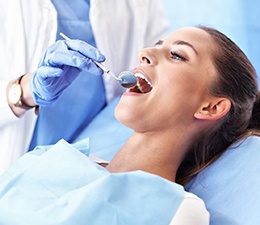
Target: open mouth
[{"x": 143, "y": 85}]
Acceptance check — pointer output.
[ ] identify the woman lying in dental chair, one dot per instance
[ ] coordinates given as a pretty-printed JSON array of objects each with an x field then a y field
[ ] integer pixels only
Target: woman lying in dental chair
[{"x": 197, "y": 107}]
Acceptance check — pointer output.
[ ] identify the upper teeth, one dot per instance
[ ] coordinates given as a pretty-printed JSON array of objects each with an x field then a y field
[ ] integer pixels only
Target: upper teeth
[{"x": 146, "y": 80}]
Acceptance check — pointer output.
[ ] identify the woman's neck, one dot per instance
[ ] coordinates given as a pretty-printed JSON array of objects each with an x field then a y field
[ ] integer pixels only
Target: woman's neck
[{"x": 160, "y": 155}]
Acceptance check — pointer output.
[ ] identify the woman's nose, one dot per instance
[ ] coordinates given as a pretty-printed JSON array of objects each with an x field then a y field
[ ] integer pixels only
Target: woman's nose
[{"x": 147, "y": 56}]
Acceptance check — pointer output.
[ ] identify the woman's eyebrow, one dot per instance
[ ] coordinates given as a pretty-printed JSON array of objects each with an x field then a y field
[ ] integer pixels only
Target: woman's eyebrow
[{"x": 179, "y": 42}]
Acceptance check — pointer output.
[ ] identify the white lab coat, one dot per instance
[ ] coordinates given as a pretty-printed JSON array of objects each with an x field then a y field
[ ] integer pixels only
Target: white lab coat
[{"x": 28, "y": 27}]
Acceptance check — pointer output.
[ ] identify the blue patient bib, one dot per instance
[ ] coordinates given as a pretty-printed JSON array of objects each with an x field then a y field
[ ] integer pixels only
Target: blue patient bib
[
  {"x": 62, "y": 186},
  {"x": 85, "y": 97}
]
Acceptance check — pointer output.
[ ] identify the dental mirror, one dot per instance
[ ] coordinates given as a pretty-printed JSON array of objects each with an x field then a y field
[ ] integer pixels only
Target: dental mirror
[{"x": 126, "y": 79}]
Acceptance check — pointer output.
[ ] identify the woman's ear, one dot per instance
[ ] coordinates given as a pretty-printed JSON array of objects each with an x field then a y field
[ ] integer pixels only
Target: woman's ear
[{"x": 214, "y": 109}]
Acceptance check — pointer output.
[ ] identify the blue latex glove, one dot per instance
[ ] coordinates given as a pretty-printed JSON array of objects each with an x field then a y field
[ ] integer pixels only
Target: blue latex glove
[{"x": 59, "y": 67}]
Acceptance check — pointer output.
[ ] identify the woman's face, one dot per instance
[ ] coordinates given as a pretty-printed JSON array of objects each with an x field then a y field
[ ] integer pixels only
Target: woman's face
[{"x": 179, "y": 71}]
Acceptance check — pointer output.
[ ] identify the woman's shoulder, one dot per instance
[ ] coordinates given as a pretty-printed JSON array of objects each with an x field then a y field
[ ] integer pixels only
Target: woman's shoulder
[{"x": 192, "y": 210}]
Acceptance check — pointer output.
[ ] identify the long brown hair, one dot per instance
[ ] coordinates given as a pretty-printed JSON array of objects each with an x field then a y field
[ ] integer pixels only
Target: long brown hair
[{"x": 237, "y": 81}]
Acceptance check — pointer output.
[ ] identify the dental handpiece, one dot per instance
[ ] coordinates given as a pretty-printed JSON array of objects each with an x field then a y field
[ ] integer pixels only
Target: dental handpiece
[{"x": 126, "y": 79}]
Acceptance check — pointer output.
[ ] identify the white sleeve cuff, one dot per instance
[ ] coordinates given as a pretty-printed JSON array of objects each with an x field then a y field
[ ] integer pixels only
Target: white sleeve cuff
[
  {"x": 192, "y": 210},
  {"x": 6, "y": 113}
]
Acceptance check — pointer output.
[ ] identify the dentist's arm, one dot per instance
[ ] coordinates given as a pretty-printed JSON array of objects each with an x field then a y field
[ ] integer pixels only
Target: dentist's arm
[{"x": 61, "y": 64}]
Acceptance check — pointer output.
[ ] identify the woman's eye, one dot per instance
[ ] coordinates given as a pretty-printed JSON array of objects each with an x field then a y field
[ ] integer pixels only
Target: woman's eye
[{"x": 177, "y": 56}]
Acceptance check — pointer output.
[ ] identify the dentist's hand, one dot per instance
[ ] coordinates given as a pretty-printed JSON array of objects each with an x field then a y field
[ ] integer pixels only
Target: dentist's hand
[{"x": 61, "y": 64}]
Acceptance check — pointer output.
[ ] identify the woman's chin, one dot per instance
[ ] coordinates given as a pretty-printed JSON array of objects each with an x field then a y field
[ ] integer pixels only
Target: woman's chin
[
  {"x": 120, "y": 115},
  {"x": 124, "y": 117}
]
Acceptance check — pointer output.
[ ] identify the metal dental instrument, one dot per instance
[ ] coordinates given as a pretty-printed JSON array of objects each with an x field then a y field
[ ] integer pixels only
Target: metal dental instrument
[{"x": 126, "y": 79}]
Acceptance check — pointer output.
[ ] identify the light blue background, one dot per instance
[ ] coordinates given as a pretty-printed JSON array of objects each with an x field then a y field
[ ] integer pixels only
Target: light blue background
[{"x": 238, "y": 19}]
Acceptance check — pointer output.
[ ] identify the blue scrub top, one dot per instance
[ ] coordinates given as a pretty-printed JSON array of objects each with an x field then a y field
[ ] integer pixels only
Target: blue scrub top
[{"x": 81, "y": 101}]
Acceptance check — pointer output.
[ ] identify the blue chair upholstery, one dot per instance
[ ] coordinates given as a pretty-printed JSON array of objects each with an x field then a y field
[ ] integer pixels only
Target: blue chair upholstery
[{"x": 230, "y": 186}]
